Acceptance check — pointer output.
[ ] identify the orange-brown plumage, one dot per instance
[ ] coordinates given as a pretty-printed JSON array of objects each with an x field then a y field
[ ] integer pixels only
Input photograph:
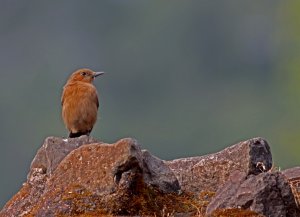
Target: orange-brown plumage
[{"x": 80, "y": 102}]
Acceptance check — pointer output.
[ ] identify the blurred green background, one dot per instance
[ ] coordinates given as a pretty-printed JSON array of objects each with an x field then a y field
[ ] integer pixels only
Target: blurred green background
[{"x": 184, "y": 78}]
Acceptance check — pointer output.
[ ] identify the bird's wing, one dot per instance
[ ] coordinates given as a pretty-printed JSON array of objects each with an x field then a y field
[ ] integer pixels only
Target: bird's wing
[
  {"x": 63, "y": 97},
  {"x": 93, "y": 94},
  {"x": 97, "y": 101}
]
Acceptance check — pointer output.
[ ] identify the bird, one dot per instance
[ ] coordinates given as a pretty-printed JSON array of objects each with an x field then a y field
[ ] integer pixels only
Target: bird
[{"x": 80, "y": 102}]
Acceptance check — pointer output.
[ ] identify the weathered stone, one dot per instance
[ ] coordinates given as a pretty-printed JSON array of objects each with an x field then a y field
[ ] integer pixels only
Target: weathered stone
[
  {"x": 163, "y": 176},
  {"x": 82, "y": 176},
  {"x": 54, "y": 150},
  {"x": 94, "y": 178},
  {"x": 208, "y": 173},
  {"x": 292, "y": 173},
  {"x": 266, "y": 193},
  {"x": 293, "y": 177},
  {"x": 22, "y": 202},
  {"x": 227, "y": 191},
  {"x": 235, "y": 212}
]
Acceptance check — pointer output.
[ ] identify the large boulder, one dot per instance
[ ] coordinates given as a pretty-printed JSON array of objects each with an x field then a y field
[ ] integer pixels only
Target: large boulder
[
  {"x": 209, "y": 172},
  {"x": 89, "y": 178}
]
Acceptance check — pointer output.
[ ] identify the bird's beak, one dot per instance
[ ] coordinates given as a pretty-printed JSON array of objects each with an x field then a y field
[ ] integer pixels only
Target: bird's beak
[{"x": 98, "y": 74}]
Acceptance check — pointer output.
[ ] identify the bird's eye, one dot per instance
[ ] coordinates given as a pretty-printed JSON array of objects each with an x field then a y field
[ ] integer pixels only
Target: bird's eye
[{"x": 83, "y": 73}]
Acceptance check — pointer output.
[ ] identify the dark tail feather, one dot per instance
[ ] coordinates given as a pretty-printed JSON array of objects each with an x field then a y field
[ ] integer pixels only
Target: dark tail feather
[{"x": 74, "y": 135}]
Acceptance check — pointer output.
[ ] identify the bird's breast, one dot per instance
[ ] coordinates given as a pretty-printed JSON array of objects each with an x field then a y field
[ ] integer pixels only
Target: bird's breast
[{"x": 79, "y": 106}]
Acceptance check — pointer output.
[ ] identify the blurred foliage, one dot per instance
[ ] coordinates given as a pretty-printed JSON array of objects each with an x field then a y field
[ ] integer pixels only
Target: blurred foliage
[{"x": 186, "y": 78}]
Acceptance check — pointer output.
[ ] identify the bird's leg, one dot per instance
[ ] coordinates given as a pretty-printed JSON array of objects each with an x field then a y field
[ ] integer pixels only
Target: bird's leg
[
  {"x": 88, "y": 135},
  {"x": 74, "y": 135}
]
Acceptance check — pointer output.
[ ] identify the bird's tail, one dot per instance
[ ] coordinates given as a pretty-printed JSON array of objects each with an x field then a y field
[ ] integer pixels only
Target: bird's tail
[{"x": 74, "y": 135}]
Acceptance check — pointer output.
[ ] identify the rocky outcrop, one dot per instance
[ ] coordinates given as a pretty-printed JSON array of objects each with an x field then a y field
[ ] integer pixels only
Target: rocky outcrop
[
  {"x": 86, "y": 177},
  {"x": 209, "y": 172}
]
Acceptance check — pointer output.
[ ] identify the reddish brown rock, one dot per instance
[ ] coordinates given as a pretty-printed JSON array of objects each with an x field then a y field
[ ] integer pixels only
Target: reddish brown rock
[
  {"x": 93, "y": 178},
  {"x": 266, "y": 193},
  {"x": 209, "y": 172}
]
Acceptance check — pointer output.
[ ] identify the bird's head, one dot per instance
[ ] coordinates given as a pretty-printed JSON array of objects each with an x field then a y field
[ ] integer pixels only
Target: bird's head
[{"x": 84, "y": 75}]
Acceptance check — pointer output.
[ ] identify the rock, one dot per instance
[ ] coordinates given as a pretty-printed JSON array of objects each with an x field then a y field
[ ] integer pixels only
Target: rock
[
  {"x": 266, "y": 193},
  {"x": 208, "y": 173},
  {"x": 91, "y": 178},
  {"x": 54, "y": 150},
  {"x": 163, "y": 176},
  {"x": 292, "y": 173},
  {"x": 293, "y": 177},
  {"x": 226, "y": 192},
  {"x": 235, "y": 212},
  {"x": 85, "y": 177},
  {"x": 22, "y": 202}
]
